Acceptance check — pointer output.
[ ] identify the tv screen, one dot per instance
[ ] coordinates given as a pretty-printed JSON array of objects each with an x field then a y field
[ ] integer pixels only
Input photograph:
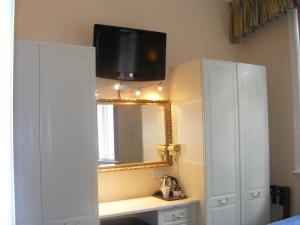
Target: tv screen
[{"x": 129, "y": 54}]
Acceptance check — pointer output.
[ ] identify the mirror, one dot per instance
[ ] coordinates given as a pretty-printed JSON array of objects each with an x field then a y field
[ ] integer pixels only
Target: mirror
[{"x": 129, "y": 132}]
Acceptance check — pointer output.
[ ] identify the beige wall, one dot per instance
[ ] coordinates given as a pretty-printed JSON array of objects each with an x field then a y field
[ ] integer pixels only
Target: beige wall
[
  {"x": 195, "y": 28},
  {"x": 270, "y": 46}
]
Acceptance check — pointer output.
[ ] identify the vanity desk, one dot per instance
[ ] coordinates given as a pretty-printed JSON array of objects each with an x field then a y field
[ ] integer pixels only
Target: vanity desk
[{"x": 153, "y": 210}]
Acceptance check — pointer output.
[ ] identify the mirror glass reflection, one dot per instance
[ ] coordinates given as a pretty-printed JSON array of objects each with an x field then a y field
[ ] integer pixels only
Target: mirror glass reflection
[{"x": 129, "y": 133}]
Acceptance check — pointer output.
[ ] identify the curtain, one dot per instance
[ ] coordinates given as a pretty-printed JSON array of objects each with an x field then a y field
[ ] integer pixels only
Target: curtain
[
  {"x": 7, "y": 214},
  {"x": 248, "y": 15}
]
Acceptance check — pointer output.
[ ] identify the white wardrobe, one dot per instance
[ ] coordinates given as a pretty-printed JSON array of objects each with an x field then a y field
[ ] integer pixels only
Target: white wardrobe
[
  {"x": 220, "y": 111},
  {"x": 55, "y": 135}
]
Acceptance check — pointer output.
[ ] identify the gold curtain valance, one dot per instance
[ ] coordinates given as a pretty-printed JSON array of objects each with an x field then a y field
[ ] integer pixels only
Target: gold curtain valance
[{"x": 248, "y": 15}]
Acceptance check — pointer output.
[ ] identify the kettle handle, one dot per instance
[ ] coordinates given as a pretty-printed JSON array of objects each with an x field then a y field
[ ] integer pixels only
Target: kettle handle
[{"x": 173, "y": 179}]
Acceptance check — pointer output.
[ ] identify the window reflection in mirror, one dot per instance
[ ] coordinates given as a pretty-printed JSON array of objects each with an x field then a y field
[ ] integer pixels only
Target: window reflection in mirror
[
  {"x": 106, "y": 141},
  {"x": 129, "y": 133}
]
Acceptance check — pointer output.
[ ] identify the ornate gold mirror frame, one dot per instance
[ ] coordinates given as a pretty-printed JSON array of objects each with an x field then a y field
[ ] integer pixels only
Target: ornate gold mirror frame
[{"x": 168, "y": 134}]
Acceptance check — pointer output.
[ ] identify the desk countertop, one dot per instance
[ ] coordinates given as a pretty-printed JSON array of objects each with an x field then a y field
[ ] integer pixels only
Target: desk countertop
[{"x": 138, "y": 205}]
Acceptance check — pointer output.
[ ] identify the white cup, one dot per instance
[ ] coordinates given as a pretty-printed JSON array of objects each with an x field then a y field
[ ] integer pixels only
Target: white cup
[{"x": 176, "y": 193}]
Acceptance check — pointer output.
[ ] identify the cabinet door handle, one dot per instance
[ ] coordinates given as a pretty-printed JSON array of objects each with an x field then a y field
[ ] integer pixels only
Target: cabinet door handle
[
  {"x": 223, "y": 201},
  {"x": 255, "y": 195},
  {"x": 178, "y": 217}
]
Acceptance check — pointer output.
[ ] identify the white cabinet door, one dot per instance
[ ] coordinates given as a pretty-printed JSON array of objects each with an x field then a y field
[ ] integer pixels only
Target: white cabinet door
[
  {"x": 26, "y": 134},
  {"x": 254, "y": 149},
  {"x": 223, "y": 215},
  {"x": 221, "y": 143},
  {"x": 68, "y": 135}
]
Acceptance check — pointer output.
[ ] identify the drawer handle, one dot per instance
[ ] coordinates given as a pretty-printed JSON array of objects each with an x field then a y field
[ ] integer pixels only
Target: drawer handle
[
  {"x": 178, "y": 217},
  {"x": 223, "y": 201},
  {"x": 255, "y": 195}
]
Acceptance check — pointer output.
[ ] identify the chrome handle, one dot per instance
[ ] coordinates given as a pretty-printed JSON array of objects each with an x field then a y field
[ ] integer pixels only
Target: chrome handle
[
  {"x": 78, "y": 223},
  {"x": 255, "y": 195},
  {"x": 66, "y": 223},
  {"x": 223, "y": 201},
  {"x": 178, "y": 217}
]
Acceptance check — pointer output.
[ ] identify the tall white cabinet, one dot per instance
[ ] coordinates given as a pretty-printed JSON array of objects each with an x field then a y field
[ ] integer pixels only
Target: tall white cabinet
[
  {"x": 55, "y": 135},
  {"x": 226, "y": 145}
]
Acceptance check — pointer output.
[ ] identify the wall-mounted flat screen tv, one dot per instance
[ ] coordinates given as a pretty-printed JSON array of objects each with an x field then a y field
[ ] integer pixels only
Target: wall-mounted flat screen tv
[{"x": 129, "y": 54}]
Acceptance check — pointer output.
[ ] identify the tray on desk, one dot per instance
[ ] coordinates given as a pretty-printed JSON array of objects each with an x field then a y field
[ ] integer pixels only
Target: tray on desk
[{"x": 159, "y": 195}]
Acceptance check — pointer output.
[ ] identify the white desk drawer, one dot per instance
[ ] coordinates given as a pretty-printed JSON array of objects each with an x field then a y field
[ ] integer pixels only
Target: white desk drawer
[
  {"x": 176, "y": 215},
  {"x": 179, "y": 215}
]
